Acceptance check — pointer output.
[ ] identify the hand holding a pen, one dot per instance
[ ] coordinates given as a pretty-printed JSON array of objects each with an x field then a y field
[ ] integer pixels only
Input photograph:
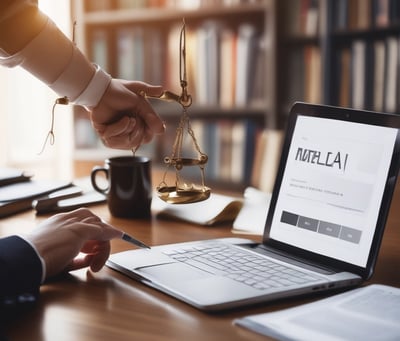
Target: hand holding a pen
[{"x": 61, "y": 238}]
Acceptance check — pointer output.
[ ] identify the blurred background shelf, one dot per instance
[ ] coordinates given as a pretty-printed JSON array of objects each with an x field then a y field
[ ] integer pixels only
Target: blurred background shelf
[{"x": 248, "y": 62}]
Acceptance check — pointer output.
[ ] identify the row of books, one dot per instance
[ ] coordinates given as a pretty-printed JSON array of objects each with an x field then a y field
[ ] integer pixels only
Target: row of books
[
  {"x": 232, "y": 147},
  {"x": 225, "y": 66},
  {"x": 102, "y": 5},
  {"x": 304, "y": 15},
  {"x": 239, "y": 153},
  {"x": 366, "y": 75},
  {"x": 228, "y": 66},
  {"x": 229, "y": 144},
  {"x": 107, "y": 5},
  {"x": 369, "y": 75},
  {"x": 364, "y": 14}
]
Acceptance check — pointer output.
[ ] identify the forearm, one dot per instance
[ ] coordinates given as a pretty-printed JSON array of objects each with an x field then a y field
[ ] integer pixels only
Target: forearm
[{"x": 44, "y": 51}]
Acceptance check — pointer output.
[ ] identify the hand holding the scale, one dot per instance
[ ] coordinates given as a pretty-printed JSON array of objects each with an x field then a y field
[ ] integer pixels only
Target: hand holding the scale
[{"x": 123, "y": 118}]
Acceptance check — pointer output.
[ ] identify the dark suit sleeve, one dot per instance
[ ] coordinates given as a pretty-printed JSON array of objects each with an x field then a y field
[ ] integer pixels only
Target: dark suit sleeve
[{"x": 20, "y": 276}]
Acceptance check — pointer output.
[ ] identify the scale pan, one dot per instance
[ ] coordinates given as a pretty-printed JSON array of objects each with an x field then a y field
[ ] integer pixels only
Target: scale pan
[{"x": 172, "y": 195}]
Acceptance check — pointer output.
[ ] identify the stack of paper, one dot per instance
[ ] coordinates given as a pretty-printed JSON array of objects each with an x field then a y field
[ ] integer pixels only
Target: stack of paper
[{"x": 368, "y": 313}]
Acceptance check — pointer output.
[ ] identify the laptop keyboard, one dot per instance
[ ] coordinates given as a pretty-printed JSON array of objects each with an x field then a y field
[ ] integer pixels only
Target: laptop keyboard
[{"x": 251, "y": 269}]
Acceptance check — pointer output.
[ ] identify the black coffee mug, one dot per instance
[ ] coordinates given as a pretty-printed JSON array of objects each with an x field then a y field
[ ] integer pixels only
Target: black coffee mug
[{"x": 129, "y": 190}]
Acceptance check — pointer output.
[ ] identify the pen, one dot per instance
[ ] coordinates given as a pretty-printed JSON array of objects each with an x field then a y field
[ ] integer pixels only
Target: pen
[{"x": 134, "y": 241}]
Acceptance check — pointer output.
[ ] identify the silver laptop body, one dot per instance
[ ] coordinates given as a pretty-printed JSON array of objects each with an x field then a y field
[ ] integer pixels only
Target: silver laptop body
[{"x": 324, "y": 226}]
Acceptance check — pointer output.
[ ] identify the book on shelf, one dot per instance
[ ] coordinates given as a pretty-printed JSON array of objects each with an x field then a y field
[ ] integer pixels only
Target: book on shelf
[
  {"x": 379, "y": 75},
  {"x": 266, "y": 159},
  {"x": 272, "y": 153},
  {"x": 382, "y": 12},
  {"x": 391, "y": 87},
  {"x": 364, "y": 14},
  {"x": 130, "y": 46},
  {"x": 296, "y": 84},
  {"x": 252, "y": 131},
  {"x": 171, "y": 64},
  {"x": 225, "y": 160},
  {"x": 344, "y": 77},
  {"x": 132, "y": 3},
  {"x": 358, "y": 74},
  {"x": 227, "y": 62},
  {"x": 208, "y": 63},
  {"x": 258, "y": 93},
  {"x": 304, "y": 74},
  {"x": 238, "y": 153},
  {"x": 303, "y": 17},
  {"x": 312, "y": 74},
  {"x": 246, "y": 47},
  {"x": 98, "y": 5},
  {"x": 311, "y": 15},
  {"x": 340, "y": 14},
  {"x": 191, "y": 62},
  {"x": 230, "y": 146},
  {"x": 243, "y": 144},
  {"x": 99, "y": 47},
  {"x": 153, "y": 54},
  {"x": 359, "y": 13},
  {"x": 369, "y": 75}
]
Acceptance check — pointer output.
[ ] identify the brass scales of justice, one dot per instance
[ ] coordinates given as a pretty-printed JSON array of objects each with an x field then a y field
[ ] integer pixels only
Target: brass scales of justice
[{"x": 182, "y": 192}]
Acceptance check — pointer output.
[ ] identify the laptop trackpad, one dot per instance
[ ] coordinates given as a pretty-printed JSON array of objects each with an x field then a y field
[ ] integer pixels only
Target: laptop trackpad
[{"x": 173, "y": 272}]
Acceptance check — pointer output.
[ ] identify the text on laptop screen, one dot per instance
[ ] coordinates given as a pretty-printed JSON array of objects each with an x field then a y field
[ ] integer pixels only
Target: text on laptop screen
[{"x": 332, "y": 187}]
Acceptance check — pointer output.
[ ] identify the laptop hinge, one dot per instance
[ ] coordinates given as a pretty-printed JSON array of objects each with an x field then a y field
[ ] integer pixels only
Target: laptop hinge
[{"x": 286, "y": 257}]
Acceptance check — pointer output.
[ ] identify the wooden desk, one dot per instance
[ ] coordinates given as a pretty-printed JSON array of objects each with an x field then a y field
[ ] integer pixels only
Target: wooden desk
[{"x": 109, "y": 306}]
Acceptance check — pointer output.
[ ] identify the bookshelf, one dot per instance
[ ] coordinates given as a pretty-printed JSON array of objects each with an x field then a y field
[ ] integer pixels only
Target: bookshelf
[
  {"x": 367, "y": 45},
  {"x": 230, "y": 69},
  {"x": 339, "y": 52}
]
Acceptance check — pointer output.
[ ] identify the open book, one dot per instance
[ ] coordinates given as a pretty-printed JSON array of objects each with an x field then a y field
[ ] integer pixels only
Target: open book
[
  {"x": 368, "y": 313},
  {"x": 216, "y": 209},
  {"x": 248, "y": 214}
]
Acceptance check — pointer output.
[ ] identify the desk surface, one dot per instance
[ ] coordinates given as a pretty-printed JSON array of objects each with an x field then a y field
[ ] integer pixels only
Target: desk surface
[{"x": 108, "y": 306}]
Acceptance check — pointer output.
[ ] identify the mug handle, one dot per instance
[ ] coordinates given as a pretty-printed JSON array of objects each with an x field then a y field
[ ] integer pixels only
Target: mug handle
[{"x": 93, "y": 175}]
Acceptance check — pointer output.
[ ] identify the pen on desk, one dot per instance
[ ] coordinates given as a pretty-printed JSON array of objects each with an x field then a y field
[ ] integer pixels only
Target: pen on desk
[{"x": 134, "y": 241}]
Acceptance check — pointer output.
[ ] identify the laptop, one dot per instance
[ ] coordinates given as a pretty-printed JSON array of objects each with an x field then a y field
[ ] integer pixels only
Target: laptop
[{"x": 325, "y": 223}]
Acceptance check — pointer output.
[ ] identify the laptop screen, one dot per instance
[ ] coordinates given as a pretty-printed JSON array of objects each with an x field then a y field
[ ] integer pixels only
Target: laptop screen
[{"x": 332, "y": 185}]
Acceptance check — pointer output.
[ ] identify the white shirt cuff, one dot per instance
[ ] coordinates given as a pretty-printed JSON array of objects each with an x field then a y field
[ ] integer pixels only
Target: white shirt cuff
[{"x": 95, "y": 90}]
